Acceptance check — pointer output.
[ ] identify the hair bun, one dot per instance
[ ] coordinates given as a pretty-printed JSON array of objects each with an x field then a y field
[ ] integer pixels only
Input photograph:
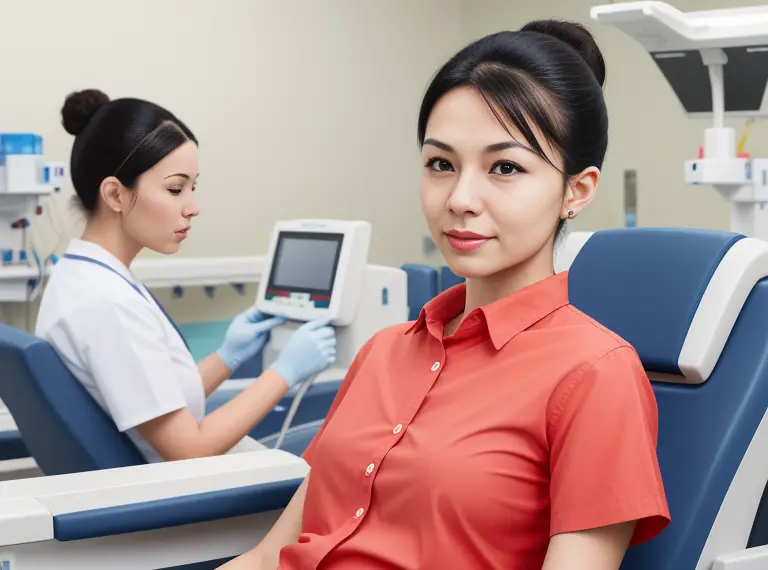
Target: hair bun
[
  {"x": 578, "y": 37},
  {"x": 79, "y": 107}
]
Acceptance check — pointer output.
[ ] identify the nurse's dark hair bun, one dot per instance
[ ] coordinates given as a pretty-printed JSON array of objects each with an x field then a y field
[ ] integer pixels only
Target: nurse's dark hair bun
[
  {"x": 576, "y": 36},
  {"x": 79, "y": 107}
]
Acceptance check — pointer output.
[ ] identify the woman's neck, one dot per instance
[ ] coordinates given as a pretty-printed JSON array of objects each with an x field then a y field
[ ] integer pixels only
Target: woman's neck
[
  {"x": 482, "y": 291},
  {"x": 487, "y": 290},
  {"x": 109, "y": 235}
]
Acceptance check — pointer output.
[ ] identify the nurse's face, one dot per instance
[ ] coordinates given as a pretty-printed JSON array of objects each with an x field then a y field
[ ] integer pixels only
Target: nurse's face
[
  {"x": 163, "y": 202},
  {"x": 491, "y": 203}
]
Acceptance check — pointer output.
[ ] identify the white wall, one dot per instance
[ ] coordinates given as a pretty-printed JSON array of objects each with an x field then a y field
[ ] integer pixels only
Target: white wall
[
  {"x": 649, "y": 131},
  {"x": 302, "y": 108}
]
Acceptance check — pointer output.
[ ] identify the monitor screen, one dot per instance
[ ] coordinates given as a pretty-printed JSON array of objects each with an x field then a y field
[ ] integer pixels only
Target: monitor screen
[{"x": 305, "y": 262}]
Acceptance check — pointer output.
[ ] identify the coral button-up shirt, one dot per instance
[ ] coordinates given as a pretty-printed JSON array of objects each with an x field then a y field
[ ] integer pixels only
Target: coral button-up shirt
[{"x": 470, "y": 451}]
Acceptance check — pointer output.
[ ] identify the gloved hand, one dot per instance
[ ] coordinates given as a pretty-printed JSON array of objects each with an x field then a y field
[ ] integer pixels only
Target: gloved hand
[
  {"x": 246, "y": 335},
  {"x": 310, "y": 350}
]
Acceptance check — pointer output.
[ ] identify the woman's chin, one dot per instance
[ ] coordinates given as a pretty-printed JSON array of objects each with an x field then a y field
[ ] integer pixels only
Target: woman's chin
[
  {"x": 469, "y": 267},
  {"x": 166, "y": 248}
]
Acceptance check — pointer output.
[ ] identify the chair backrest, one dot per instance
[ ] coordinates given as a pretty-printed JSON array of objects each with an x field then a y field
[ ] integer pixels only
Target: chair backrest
[
  {"x": 422, "y": 286},
  {"x": 448, "y": 278},
  {"x": 62, "y": 426},
  {"x": 694, "y": 304}
]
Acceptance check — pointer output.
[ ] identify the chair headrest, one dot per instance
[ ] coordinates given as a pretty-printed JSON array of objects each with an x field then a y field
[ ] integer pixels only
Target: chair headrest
[{"x": 674, "y": 294}]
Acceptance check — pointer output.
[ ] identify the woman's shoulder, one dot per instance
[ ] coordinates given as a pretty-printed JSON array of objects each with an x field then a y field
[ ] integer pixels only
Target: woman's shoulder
[
  {"x": 75, "y": 303},
  {"x": 588, "y": 341},
  {"x": 602, "y": 367},
  {"x": 591, "y": 332}
]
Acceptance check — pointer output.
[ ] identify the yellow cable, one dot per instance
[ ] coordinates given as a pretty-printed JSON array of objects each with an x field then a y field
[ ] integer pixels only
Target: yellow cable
[{"x": 744, "y": 136}]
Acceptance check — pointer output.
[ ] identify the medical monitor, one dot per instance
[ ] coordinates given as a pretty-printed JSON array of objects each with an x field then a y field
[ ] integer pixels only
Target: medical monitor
[{"x": 314, "y": 269}]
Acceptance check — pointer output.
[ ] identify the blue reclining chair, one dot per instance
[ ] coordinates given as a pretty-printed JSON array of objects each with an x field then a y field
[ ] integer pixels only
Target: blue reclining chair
[
  {"x": 123, "y": 513},
  {"x": 61, "y": 424},
  {"x": 695, "y": 306},
  {"x": 422, "y": 286},
  {"x": 63, "y": 428},
  {"x": 448, "y": 278}
]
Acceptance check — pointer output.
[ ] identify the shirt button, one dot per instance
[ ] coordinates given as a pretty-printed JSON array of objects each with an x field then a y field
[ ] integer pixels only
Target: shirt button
[
  {"x": 435, "y": 366},
  {"x": 397, "y": 429},
  {"x": 359, "y": 513},
  {"x": 369, "y": 469}
]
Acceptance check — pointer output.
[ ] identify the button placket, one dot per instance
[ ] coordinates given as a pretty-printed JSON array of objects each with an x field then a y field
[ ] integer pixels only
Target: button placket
[{"x": 414, "y": 404}]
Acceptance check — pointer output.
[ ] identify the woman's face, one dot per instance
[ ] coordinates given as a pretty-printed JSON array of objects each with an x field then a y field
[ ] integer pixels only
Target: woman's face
[
  {"x": 161, "y": 207},
  {"x": 490, "y": 201}
]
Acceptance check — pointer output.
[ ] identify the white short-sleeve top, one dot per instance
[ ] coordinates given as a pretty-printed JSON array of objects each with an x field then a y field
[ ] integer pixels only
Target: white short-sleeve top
[{"x": 118, "y": 343}]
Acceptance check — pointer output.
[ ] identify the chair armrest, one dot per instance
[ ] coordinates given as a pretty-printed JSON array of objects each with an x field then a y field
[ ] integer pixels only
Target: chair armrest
[
  {"x": 147, "y": 497},
  {"x": 748, "y": 559}
]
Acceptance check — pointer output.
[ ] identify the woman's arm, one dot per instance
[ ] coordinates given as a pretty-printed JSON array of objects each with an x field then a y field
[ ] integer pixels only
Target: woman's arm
[
  {"x": 213, "y": 371},
  {"x": 178, "y": 435},
  {"x": 596, "y": 549},
  {"x": 606, "y": 412},
  {"x": 266, "y": 555}
]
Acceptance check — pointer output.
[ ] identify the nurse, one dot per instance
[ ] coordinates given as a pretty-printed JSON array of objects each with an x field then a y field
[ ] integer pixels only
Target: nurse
[
  {"x": 503, "y": 428},
  {"x": 135, "y": 168}
]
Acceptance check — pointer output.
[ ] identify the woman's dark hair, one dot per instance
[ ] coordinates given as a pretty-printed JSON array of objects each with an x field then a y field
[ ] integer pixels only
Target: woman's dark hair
[
  {"x": 548, "y": 74},
  {"x": 122, "y": 138}
]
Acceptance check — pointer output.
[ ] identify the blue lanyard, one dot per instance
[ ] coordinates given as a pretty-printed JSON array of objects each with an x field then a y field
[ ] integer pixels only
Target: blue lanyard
[{"x": 132, "y": 284}]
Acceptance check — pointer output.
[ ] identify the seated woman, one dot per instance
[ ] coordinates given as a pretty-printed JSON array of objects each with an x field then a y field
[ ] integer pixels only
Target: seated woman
[
  {"x": 134, "y": 168},
  {"x": 503, "y": 428}
]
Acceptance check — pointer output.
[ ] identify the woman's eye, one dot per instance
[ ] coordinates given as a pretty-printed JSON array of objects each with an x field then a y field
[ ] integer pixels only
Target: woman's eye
[
  {"x": 505, "y": 168},
  {"x": 175, "y": 191},
  {"x": 439, "y": 165}
]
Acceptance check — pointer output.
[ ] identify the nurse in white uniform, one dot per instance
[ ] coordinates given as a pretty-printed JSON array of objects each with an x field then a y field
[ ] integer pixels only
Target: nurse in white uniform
[{"x": 134, "y": 168}]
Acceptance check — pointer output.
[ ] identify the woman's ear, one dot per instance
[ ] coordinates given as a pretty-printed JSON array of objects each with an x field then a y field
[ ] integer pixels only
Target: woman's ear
[
  {"x": 580, "y": 191},
  {"x": 111, "y": 194}
]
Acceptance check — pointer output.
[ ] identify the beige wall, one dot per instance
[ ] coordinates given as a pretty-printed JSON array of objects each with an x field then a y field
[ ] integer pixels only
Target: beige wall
[
  {"x": 308, "y": 108},
  {"x": 302, "y": 108},
  {"x": 649, "y": 131}
]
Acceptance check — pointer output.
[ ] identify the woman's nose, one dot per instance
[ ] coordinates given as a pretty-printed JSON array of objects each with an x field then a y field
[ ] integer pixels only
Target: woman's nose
[{"x": 192, "y": 210}]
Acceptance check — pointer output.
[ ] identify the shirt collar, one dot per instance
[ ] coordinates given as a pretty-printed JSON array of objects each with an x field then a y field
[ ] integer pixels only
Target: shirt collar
[
  {"x": 94, "y": 251},
  {"x": 505, "y": 318}
]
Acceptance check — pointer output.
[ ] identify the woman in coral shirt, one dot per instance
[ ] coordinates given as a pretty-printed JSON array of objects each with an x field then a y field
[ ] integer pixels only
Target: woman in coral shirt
[{"x": 503, "y": 429}]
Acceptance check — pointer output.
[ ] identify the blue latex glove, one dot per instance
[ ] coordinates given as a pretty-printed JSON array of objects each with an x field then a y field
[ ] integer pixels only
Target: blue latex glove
[
  {"x": 246, "y": 336},
  {"x": 310, "y": 350}
]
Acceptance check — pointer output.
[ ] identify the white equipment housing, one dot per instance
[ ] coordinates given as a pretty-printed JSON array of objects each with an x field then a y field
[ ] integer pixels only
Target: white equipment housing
[
  {"x": 716, "y": 62},
  {"x": 318, "y": 269},
  {"x": 314, "y": 269}
]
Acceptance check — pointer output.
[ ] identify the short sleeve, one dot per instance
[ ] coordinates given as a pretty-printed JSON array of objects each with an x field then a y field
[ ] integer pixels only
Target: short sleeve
[
  {"x": 132, "y": 366},
  {"x": 354, "y": 368},
  {"x": 603, "y": 431}
]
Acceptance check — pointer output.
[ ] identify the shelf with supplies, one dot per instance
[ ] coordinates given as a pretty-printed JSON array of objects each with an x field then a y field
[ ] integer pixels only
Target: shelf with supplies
[{"x": 17, "y": 282}]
